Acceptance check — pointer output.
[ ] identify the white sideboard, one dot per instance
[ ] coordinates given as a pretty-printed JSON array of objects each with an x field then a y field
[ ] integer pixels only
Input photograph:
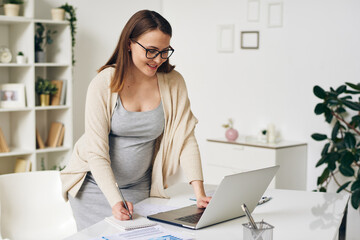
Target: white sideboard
[{"x": 224, "y": 158}]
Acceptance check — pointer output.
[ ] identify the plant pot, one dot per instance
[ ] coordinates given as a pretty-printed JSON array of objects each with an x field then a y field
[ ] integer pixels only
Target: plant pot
[
  {"x": 11, "y": 10},
  {"x": 40, "y": 57},
  {"x": 20, "y": 59},
  {"x": 44, "y": 100},
  {"x": 58, "y": 14},
  {"x": 231, "y": 134}
]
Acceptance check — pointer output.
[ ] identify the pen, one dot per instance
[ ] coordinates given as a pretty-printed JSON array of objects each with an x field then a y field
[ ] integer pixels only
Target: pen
[
  {"x": 248, "y": 214},
  {"x": 123, "y": 199}
]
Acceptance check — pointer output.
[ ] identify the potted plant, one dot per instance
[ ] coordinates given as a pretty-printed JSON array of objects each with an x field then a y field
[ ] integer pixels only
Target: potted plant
[
  {"x": 12, "y": 7},
  {"x": 44, "y": 88},
  {"x": 20, "y": 58},
  {"x": 341, "y": 153},
  {"x": 43, "y": 37},
  {"x": 58, "y": 14},
  {"x": 231, "y": 134},
  {"x": 70, "y": 12}
]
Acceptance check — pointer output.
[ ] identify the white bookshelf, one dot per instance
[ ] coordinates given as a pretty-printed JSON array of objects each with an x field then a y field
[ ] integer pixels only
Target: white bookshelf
[{"x": 19, "y": 124}]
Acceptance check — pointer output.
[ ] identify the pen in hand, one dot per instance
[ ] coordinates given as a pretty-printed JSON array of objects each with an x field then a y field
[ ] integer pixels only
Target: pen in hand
[{"x": 123, "y": 199}]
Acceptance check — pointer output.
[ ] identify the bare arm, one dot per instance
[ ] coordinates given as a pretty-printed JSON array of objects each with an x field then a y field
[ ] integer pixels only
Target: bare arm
[{"x": 201, "y": 199}]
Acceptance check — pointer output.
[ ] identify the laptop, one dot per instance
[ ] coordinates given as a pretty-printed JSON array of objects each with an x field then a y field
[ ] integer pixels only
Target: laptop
[{"x": 234, "y": 190}]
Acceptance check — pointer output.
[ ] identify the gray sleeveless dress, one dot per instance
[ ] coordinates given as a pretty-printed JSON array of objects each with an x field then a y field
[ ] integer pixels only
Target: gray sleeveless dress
[{"x": 131, "y": 141}]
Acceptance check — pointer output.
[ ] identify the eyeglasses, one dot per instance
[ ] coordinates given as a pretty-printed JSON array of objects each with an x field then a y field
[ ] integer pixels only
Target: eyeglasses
[{"x": 153, "y": 53}]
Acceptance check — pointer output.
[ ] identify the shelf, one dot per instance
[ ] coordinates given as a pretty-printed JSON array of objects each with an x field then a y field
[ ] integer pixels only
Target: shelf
[
  {"x": 14, "y": 20},
  {"x": 15, "y": 109},
  {"x": 49, "y": 21},
  {"x": 16, "y": 152},
  {"x": 52, "y": 149},
  {"x": 52, "y": 64},
  {"x": 15, "y": 65},
  {"x": 39, "y": 108}
]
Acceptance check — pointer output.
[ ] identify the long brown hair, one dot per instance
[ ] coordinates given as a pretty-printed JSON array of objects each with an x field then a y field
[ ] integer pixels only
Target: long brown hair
[{"x": 140, "y": 23}]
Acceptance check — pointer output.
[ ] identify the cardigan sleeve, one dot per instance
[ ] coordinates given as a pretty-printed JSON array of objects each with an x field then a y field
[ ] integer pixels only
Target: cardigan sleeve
[{"x": 97, "y": 128}]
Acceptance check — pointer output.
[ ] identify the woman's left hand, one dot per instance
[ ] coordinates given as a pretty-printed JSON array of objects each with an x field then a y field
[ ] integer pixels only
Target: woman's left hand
[{"x": 203, "y": 201}]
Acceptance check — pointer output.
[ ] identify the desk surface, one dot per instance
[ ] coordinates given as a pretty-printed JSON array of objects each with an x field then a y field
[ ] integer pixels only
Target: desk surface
[{"x": 294, "y": 214}]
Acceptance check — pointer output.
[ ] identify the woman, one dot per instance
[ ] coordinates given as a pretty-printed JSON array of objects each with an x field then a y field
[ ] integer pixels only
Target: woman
[{"x": 138, "y": 128}]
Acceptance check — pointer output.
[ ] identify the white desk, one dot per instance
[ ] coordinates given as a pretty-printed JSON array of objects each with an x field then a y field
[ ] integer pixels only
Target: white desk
[{"x": 294, "y": 214}]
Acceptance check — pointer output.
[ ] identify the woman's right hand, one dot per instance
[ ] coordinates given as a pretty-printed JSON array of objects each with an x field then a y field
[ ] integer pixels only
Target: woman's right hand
[{"x": 119, "y": 211}]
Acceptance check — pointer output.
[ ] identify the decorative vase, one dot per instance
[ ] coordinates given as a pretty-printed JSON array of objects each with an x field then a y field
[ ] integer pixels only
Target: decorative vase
[
  {"x": 40, "y": 57},
  {"x": 231, "y": 134},
  {"x": 20, "y": 59},
  {"x": 11, "y": 10},
  {"x": 58, "y": 14},
  {"x": 44, "y": 100}
]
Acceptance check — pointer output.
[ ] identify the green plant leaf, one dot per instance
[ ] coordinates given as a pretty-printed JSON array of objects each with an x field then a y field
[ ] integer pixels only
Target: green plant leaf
[
  {"x": 352, "y": 105},
  {"x": 340, "y": 110},
  {"x": 328, "y": 116},
  {"x": 319, "y": 92},
  {"x": 322, "y": 189},
  {"x": 335, "y": 130},
  {"x": 346, "y": 97},
  {"x": 346, "y": 170},
  {"x": 323, "y": 177},
  {"x": 347, "y": 159},
  {"x": 356, "y": 185},
  {"x": 350, "y": 140},
  {"x": 325, "y": 149},
  {"x": 355, "y": 199},
  {"x": 320, "y": 108},
  {"x": 356, "y": 87},
  {"x": 318, "y": 137},
  {"x": 341, "y": 89},
  {"x": 343, "y": 186},
  {"x": 320, "y": 162}
]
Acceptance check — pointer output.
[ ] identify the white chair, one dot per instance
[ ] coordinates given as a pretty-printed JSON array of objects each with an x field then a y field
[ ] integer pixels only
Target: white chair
[{"x": 32, "y": 207}]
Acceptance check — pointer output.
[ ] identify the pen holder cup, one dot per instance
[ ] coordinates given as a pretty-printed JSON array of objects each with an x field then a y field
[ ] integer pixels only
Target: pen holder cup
[{"x": 264, "y": 231}]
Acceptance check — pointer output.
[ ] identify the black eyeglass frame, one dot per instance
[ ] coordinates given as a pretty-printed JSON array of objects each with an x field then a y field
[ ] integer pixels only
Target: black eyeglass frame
[{"x": 158, "y": 52}]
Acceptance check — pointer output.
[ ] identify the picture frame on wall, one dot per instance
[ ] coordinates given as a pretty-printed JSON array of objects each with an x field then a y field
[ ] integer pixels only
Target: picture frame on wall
[
  {"x": 226, "y": 38},
  {"x": 253, "y": 10},
  {"x": 275, "y": 14},
  {"x": 250, "y": 39},
  {"x": 12, "y": 95}
]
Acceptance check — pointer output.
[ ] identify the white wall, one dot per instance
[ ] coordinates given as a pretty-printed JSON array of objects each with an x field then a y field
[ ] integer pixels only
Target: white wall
[{"x": 317, "y": 45}]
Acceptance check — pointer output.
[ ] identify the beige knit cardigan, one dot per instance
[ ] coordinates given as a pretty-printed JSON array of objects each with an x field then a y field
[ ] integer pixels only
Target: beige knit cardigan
[{"x": 177, "y": 145}]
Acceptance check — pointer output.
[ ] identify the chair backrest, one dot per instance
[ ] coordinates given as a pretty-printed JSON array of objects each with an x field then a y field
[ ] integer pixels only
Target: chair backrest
[{"x": 32, "y": 207}]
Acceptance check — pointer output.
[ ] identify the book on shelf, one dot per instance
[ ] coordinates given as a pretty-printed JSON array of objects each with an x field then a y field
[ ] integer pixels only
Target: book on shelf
[
  {"x": 55, "y": 99},
  {"x": 22, "y": 165},
  {"x": 63, "y": 93},
  {"x": 39, "y": 142},
  {"x": 54, "y": 134},
  {"x": 61, "y": 138},
  {"x": 3, "y": 145}
]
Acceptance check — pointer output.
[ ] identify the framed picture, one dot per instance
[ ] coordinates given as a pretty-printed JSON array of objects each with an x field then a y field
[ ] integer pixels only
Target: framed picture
[
  {"x": 253, "y": 12},
  {"x": 250, "y": 40},
  {"x": 12, "y": 95},
  {"x": 275, "y": 14},
  {"x": 226, "y": 38}
]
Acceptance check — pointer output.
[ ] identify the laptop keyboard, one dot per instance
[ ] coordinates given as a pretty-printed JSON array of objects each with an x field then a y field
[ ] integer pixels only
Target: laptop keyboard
[{"x": 194, "y": 218}]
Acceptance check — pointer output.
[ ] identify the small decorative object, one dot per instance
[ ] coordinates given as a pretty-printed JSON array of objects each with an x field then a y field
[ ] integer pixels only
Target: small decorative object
[
  {"x": 262, "y": 136},
  {"x": 5, "y": 55},
  {"x": 271, "y": 133},
  {"x": 70, "y": 12},
  {"x": 12, "y": 95},
  {"x": 226, "y": 38},
  {"x": 231, "y": 134},
  {"x": 340, "y": 155},
  {"x": 58, "y": 14},
  {"x": 42, "y": 39},
  {"x": 20, "y": 58},
  {"x": 250, "y": 40},
  {"x": 44, "y": 88},
  {"x": 275, "y": 14},
  {"x": 12, "y": 7}
]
